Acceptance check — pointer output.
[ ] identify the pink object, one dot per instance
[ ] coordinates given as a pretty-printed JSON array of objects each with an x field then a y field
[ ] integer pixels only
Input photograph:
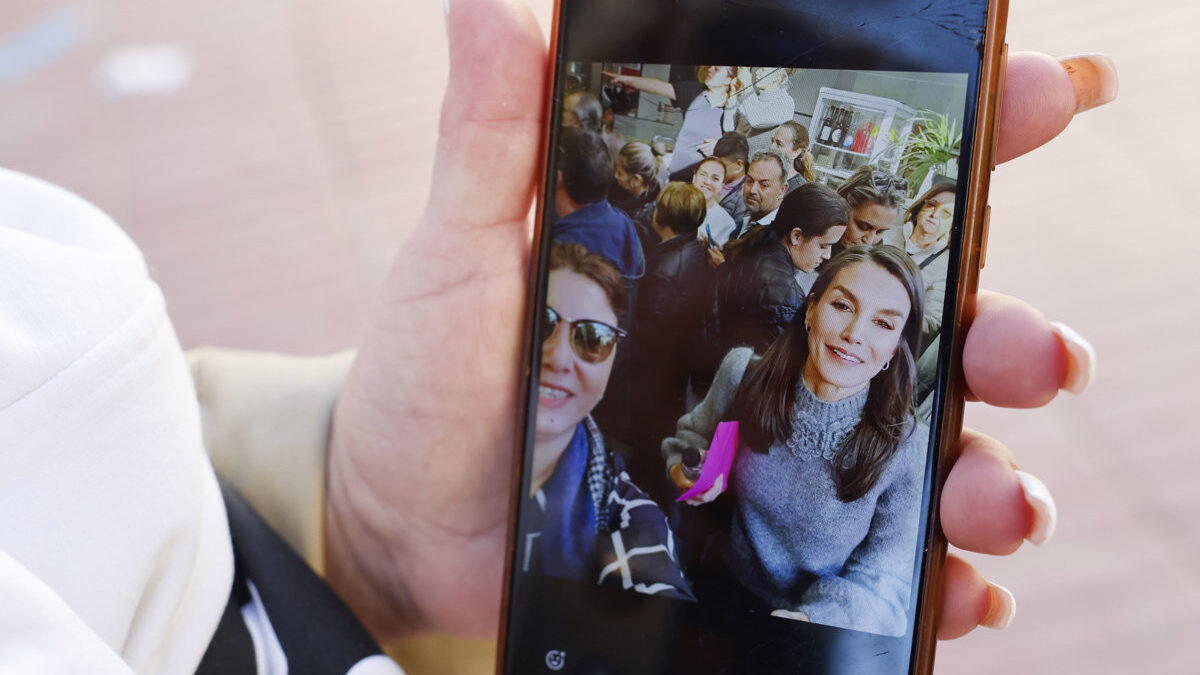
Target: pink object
[{"x": 718, "y": 461}]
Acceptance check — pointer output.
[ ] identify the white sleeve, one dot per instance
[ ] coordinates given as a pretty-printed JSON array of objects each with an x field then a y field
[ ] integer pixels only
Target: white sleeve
[
  {"x": 40, "y": 634},
  {"x": 110, "y": 505},
  {"x": 764, "y": 110}
]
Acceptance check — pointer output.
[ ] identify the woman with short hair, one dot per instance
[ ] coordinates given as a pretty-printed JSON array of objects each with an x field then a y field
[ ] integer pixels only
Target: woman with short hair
[
  {"x": 709, "y": 106},
  {"x": 673, "y": 303},
  {"x": 585, "y": 509}
]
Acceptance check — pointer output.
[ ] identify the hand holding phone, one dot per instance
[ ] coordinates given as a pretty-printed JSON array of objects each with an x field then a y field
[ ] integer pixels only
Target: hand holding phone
[
  {"x": 834, "y": 342},
  {"x": 505, "y": 36}
]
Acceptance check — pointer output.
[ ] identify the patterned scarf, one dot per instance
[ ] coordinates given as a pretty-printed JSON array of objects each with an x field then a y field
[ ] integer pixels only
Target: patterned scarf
[{"x": 571, "y": 520}]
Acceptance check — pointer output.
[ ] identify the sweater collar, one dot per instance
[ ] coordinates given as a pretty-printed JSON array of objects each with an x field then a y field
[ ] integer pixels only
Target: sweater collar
[
  {"x": 819, "y": 428},
  {"x": 851, "y": 406}
]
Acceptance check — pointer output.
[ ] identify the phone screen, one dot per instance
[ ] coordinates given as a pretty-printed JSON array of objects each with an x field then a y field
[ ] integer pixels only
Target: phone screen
[{"x": 743, "y": 321}]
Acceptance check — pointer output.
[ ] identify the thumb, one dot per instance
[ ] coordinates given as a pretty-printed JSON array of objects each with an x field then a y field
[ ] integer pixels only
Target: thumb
[{"x": 490, "y": 129}]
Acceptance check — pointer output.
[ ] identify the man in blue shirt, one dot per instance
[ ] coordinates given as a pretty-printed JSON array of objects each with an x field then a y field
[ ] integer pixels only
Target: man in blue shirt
[{"x": 583, "y": 173}]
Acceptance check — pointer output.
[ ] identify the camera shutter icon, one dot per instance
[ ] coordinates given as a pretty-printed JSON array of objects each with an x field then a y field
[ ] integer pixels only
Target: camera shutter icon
[{"x": 556, "y": 660}]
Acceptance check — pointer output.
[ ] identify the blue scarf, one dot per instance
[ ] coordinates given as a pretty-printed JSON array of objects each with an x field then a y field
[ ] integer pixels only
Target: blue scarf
[{"x": 569, "y": 527}]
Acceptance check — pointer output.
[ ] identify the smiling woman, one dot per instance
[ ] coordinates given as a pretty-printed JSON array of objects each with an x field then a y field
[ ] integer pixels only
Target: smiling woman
[
  {"x": 854, "y": 330},
  {"x": 926, "y": 237},
  {"x": 827, "y": 487},
  {"x": 588, "y": 513},
  {"x": 718, "y": 225}
]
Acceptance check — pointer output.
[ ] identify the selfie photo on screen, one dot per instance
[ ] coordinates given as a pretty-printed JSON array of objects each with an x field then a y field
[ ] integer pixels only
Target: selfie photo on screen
[{"x": 740, "y": 335}]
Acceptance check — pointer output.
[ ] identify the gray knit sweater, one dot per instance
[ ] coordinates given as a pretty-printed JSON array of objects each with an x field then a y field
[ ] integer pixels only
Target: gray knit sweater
[{"x": 793, "y": 543}]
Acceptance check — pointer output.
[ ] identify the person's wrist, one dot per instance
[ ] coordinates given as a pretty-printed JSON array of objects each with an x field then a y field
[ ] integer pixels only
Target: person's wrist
[{"x": 358, "y": 563}]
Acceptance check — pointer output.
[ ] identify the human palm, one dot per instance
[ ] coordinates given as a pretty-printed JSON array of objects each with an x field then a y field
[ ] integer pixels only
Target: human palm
[{"x": 422, "y": 451}]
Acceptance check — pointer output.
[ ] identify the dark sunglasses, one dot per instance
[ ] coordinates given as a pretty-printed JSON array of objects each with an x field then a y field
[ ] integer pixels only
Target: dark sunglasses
[
  {"x": 886, "y": 182},
  {"x": 593, "y": 341}
]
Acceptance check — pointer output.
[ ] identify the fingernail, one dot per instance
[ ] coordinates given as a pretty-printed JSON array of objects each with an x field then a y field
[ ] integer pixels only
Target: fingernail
[
  {"x": 1094, "y": 77},
  {"x": 1002, "y": 608},
  {"x": 1045, "y": 512},
  {"x": 1081, "y": 356}
]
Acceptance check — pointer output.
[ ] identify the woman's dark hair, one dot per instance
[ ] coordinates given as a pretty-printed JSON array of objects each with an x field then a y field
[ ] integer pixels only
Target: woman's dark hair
[
  {"x": 812, "y": 208},
  {"x": 938, "y": 188},
  {"x": 869, "y": 186},
  {"x": 804, "y": 162},
  {"x": 763, "y": 403},
  {"x": 732, "y": 146},
  {"x": 585, "y": 163},
  {"x": 576, "y": 258}
]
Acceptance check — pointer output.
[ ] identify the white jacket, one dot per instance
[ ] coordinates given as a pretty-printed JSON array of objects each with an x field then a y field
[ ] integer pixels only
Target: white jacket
[{"x": 114, "y": 546}]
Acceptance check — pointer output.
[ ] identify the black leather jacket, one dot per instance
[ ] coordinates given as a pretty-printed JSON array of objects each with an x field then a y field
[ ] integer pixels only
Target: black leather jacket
[
  {"x": 757, "y": 296},
  {"x": 677, "y": 289},
  {"x": 667, "y": 341}
]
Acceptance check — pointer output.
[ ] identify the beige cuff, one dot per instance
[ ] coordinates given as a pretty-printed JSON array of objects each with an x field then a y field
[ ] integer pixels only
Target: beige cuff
[{"x": 266, "y": 423}]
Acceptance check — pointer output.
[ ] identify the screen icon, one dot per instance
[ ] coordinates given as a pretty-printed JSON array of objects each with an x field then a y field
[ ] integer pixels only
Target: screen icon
[{"x": 556, "y": 660}]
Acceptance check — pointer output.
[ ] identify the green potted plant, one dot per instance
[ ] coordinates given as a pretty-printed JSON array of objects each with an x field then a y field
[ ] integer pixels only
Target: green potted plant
[{"x": 933, "y": 145}]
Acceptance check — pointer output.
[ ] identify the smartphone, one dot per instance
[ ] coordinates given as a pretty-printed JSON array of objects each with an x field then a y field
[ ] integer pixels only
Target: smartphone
[{"x": 841, "y": 153}]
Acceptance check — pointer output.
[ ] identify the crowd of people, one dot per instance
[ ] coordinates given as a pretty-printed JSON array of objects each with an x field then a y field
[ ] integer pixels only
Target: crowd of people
[{"x": 718, "y": 285}]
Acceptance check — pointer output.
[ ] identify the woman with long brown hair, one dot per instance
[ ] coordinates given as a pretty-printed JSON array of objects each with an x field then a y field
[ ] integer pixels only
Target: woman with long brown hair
[
  {"x": 828, "y": 482},
  {"x": 771, "y": 268}
]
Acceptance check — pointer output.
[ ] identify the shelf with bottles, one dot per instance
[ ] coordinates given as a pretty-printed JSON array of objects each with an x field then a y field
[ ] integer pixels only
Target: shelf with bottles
[
  {"x": 850, "y": 130},
  {"x": 841, "y": 150}
]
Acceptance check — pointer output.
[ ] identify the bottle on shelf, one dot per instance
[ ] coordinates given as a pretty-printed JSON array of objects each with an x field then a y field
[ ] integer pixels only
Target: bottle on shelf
[
  {"x": 844, "y": 160},
  {"x": 826, "y": 125},
  {"x": 835, "y": 139},
  {"x": 862, "y": 137},
  {"x": 871, "y": 138}
]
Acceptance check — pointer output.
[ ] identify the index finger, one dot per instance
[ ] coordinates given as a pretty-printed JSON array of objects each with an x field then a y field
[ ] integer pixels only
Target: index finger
[
  {"x": 1042, "y": 94},
  {"x": 1013, "y": 357}
]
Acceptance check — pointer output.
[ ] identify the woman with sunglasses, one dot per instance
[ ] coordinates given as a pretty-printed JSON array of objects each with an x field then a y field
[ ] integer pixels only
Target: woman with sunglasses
[
  {"x": 875, "y": 198},
  {"x": 591, "y": 522},
  {"x": 827, "y": 483}
]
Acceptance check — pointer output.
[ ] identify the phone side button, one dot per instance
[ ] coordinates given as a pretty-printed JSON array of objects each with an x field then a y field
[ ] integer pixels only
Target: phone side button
[
  {"x": 983, "y": 239},
  {"x": 999, "y": 100}
]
